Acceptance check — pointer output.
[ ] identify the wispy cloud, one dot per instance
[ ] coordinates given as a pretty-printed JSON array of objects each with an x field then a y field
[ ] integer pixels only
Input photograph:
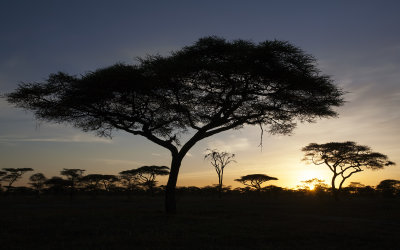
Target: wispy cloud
[
  {"x": 73, "y": 138},
  {"x": 118, "y": 162},
  {"x": 231, "y": 144}
]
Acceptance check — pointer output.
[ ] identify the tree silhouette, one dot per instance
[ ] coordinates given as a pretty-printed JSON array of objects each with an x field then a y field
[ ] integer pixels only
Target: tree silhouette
[
  {"x": 255, "y": 180},
  {"x": 389, "y": 187},
  {"x": 2, "y": 173},
  {"x": 12, "y": 175},
  {"x": 129, "y": 178},
  {"x": 219, "y": 160},
  {"x": 98, "y": 181},
  {"x": 144, "y": 176},
  {"x": 344, "y": 159},
  {"x": 147, "y": 176},
  {"x": 92, "y": 182},
  {"x": 73, "y": 175},
  {"x": 313, "y": 184},
  {"x": 202, "y": 90},
  {"x": 57, "y": 184},
  {"x": 38, "y": 181},
  {"x": 354, "y": 187}
]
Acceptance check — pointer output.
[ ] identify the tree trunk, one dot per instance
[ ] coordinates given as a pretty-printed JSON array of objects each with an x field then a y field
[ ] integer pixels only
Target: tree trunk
[
  {"x": 170, "y": 201},
  {"x": 334, "y": 190},
  {"x": 220, "y": 185}
]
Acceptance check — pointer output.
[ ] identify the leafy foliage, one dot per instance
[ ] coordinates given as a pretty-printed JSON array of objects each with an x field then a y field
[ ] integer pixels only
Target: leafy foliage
[
  {"x": 207, "y": 88},
  {"x": 211, "y": 86}
]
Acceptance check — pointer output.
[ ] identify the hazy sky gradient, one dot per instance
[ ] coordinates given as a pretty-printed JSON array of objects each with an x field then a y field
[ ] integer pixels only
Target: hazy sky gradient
[{"x": 356, "y": 42}]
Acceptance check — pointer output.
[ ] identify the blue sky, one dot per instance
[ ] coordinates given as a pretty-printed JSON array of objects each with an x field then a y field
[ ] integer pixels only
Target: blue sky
[{"x": 356, "y": 42}]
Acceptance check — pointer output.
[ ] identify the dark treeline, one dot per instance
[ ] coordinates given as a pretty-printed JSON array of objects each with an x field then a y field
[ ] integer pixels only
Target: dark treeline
[{"x": 142, "y": 181}]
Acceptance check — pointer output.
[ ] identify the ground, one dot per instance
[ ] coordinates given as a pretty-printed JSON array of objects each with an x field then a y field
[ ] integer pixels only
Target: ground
[{"x": 202, "y": 222}]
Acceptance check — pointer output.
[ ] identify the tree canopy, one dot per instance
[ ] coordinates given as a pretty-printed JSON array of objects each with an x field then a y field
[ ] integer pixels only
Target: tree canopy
[
  {"x": 13, "y": 174},
  {"x": 209, "y": 87},
  {"x": 37, "y": 181},
  {"x": 389, "y": 187},
  {"x": 144, "y": 176},
  {"x": 255, "y": 180},
  {"x": 344, "y": 159}
]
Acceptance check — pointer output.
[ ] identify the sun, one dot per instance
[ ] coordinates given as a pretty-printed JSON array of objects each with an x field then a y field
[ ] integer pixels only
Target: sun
[
  {"x": 311, "y": 186},
  {"x": 309, "y": 179}
]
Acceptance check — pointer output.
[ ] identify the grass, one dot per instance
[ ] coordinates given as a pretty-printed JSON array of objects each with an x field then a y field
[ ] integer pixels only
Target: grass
[{"x": 202, "y": 222}]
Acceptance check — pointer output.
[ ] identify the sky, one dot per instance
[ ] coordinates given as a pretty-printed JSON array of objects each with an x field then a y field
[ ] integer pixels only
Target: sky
[{"x": 357, "y": 43}]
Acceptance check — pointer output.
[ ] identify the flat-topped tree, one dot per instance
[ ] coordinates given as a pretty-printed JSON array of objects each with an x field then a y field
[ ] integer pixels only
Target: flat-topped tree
[
  {"x": 201, "y": 90},
  {"x": 38, "y": 181},
  {"x": 130, "y": 179},
  {"x": 74, "y": 176},
  {"x": 344, "y": 159},
  {"x": 389, "y": 187},
  {"x": 255, "y": 180},
  {"x": 12, "y": 175},
  {"x": 147, "y": 175},
  {"x": 95, "y": 182},
  {"x": 2, "y": 173}
]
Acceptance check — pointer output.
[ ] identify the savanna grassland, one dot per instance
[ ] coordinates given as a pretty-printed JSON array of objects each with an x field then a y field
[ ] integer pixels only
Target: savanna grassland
[{"x": 202, "y": 222}]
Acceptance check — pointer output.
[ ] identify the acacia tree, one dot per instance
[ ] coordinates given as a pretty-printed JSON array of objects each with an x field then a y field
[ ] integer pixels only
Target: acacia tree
[
  {"x": 92, "y": 181},
  {"x": 144, "y": 176},
  {"x": 129, "y": 178},
  {"x": 389, "y": 187},
  {"x": 98, "y": 181},
  {"x": 37, "y": 182},
  {"x": 313, "y": 184},
  {"x": 2, "y": 173},
  {"x": 255, "y": 180},
  {"x": 344, "y": 159},
  {"x": 57, "y": 184},
  {"x": 12, "y": 175},
  {"x": 147, "y": 175},
  {"x": 219, "y": 160},
  {"x": 74, "y": 176},
  {"x": 107, "y": 181},
  {"x": 199, "y": 91}
]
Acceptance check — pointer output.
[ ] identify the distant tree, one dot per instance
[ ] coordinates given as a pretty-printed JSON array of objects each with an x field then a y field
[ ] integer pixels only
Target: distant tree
[
  {"x": 204, "y": 89},
  {"x": 314, "y": 184},
  {"x": 108, "y": 181},
  {"x": 129, "y": 179},
  {"x": 255, "y": 180},
  {"x": 389, "y": 187},
  {"x": 147, "y": 176},
  {"x": 12, "y": 175},
  {"x": 219, "y": 160},
  {"x": 74, "y": 176},
  {"x": 57, "y": 184},
  {"x": 2, "y": 173},
  {"x": 344, "y": 159},
  {"x": 99, "y": 181},
  {"x": 92, "y": 182},
  {"x": 273, "y": 190},
  {"x": 38, "y": 182},
  {"x": 354, "y": 187}
]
